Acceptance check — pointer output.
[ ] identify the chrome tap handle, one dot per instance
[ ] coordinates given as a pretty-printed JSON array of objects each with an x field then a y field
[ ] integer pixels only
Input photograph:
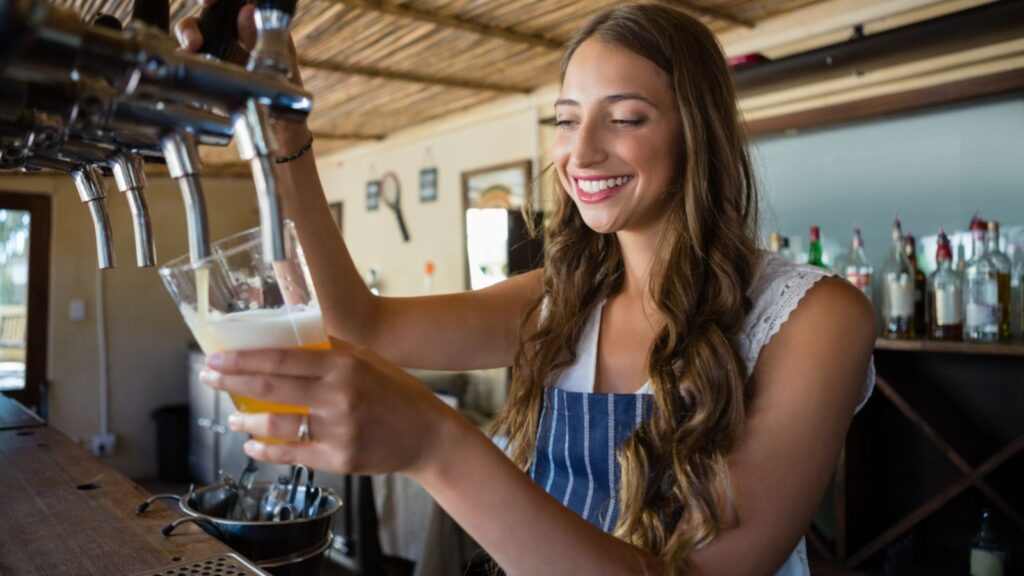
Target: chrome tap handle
[
  {"x": 89, "y": 182},
  {"x": 131, "y": 180},
  {"x": 183, "y": 164},
  {"x": 271, "y": 53}
]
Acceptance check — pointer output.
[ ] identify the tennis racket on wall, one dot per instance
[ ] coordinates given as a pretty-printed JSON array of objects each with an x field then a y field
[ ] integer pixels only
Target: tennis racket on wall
[{"x": 391, "y": 192}]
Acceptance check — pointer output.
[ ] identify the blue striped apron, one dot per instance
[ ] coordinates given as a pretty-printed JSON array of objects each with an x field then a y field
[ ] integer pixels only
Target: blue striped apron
[{"x": 574, "y": 460}]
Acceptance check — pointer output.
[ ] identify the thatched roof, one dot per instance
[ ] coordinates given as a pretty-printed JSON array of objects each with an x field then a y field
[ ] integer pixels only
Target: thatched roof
[{"x": 375, "y": 67}]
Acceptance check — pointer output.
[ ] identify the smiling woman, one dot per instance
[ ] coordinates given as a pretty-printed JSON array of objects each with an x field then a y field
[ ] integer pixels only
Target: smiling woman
[{"x": 678, "y": 397}]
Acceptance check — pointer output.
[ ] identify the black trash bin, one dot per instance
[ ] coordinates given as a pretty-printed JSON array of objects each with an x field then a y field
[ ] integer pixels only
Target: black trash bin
[{"x": 172, "y": 443}]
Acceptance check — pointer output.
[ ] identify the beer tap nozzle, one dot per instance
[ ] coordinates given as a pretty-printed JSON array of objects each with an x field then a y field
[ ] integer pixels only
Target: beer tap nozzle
[
  {"x": 89, "y": 182},
  {"x": 183, "y": 163},
  {"x": 256, "y": 142},
  {"x": 131, "y": 180},
  {"x": 256, "y": 145}
]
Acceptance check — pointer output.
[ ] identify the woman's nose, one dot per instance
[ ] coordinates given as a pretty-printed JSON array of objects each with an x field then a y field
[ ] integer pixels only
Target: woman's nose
[{"x": 588, "y": 147}]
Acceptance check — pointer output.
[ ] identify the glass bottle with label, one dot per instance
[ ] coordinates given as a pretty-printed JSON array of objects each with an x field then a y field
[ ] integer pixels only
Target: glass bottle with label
[
  {"x": 1003, "y": 267},
  {"x": 858, "y": 269},
  {"x": 1017, "y": 290},
  {"x": 897, "y": 290},
  {"x": 815, "y": 254},
  {"x": 945, "y": 296},
  {"x": 920, "y": 285},
  {"x": 987, "y": 552},
  {"x": 981, "y": 290}
]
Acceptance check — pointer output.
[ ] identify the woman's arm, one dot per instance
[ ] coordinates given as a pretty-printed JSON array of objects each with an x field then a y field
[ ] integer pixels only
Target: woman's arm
[
  {"x": 461, "y": 331},
  {"x": 807, "y": 382}
]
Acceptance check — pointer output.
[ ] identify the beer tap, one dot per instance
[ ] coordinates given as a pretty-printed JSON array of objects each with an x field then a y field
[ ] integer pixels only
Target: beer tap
[
  {"x": 183, "y": 164},
  {"x": 42, "y": 43},
  {"x": 255, "y": 139},
  {"x": 131, "y": 180},
  {"x": 179, "y": 145},
  {"x": 89, "y": 182}
]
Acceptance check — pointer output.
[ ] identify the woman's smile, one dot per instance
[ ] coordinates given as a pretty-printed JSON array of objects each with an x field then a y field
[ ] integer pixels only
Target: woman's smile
[{"x": 595, "y": 189}]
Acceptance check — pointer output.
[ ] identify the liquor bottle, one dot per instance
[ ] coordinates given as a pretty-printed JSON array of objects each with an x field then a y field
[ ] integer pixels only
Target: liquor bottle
[
  {"x": 981, "y": 290},
  {"x": 775, "y": 242},
  {"x": 1017, "y": 290},
  {"x": 945, "y": 296},
  {"x": 858, "y": 269},
  {"x": 961, "y": 255},
  {"x": 1003, "y": 268},
  {"x": 987, "y": 552},
  {"x": 897, "y": 290},
  {"x": 785, "y": 252},
  {"x": 814, "y": 252},
  {"x": 920, "y": 285}
]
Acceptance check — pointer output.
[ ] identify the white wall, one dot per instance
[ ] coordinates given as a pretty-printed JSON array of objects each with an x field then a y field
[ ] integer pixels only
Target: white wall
[
  {"x": 505, "y": 131},
  {"x": 147, "y": 339}
]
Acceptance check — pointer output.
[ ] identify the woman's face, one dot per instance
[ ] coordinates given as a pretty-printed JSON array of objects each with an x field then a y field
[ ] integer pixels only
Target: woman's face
[{"x": 618, "y": 137}]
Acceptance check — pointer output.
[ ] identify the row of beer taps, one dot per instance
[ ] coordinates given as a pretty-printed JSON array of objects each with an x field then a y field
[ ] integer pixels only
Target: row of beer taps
[{"x": 90, "y": 99}]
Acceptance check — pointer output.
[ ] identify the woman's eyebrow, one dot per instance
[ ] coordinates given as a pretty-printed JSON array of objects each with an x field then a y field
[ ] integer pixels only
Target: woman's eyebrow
[
  {"x": 629, "y": 96},
  {"x": 611, "y": 98}
]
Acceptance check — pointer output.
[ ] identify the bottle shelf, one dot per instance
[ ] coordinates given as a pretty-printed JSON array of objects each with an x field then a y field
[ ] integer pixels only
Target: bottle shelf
[
  {"x": 936, "y": 346},
  {"x": 963, "y": 448}
]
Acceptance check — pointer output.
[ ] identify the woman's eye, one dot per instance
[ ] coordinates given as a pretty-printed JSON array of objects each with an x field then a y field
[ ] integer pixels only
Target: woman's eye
[
  {"x": 565, "y": 123},
  {"x": 625, "y": 122}
]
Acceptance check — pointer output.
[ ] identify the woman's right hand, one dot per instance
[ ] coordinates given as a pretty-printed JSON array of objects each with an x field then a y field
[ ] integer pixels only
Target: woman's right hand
[
  {"x": 191, "y": 39},
  {"x": 291, "y": 135}
]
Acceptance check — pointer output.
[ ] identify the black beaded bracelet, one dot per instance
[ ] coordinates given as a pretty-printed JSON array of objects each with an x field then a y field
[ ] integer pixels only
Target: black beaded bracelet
[{"x": 305, "y": 148}]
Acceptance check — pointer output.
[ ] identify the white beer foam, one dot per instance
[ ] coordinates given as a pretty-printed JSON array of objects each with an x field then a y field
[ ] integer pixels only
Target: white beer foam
[{"x": 285, "y": 327}]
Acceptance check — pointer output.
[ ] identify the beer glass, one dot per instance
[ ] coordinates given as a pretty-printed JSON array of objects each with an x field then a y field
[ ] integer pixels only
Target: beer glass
[{"x": 233, "y": 300}]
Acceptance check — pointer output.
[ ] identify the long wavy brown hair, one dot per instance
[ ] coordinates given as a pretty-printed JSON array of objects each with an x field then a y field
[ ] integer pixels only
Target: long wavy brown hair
[{"x": 674, "y": 466}]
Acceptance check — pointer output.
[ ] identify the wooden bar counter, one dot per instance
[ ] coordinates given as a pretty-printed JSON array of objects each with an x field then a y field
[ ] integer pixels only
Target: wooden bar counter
[{"x": 62, "y": 511}]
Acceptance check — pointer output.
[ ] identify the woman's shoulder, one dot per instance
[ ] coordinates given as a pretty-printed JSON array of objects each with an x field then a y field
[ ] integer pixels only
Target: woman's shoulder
[{"x": 779, "y": 287}]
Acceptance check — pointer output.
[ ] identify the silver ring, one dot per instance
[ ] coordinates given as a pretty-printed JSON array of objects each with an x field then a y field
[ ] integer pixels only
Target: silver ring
[{"x": 304, "y": 435}]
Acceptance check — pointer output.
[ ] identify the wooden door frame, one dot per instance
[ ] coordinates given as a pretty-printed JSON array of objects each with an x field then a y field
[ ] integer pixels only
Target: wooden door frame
[{"x": 39, "y": 206}]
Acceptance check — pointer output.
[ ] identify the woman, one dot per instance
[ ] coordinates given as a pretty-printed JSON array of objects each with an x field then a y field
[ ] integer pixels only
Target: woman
[{"x": 673, "y": 409}]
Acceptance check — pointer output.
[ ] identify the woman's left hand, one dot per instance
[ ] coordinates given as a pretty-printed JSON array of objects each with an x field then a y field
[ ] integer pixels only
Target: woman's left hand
[{"x": 365, "y": 415}]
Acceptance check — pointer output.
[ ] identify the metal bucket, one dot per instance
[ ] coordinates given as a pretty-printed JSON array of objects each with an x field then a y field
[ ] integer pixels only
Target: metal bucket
[{"x": 283, "y": 548}]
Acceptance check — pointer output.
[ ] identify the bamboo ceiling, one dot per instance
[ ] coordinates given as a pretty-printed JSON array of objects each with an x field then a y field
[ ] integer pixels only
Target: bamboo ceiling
[{"x": 378, "y": 66}]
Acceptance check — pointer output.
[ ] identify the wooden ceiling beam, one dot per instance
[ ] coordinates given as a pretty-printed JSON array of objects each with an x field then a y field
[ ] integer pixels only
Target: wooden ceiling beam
[
  {"x": 453, "y": 22},
  {"x": 716, "y": 13},
  {"x": 327, "y": 66}
]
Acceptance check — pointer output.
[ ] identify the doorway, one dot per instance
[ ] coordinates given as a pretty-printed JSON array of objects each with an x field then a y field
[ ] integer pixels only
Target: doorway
[{"x": 24, "y": 292}]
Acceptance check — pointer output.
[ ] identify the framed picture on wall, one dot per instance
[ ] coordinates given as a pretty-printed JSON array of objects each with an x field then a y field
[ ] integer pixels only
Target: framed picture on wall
[
  {"x": 428, "y": 185},
  {"x": 491, "y": 196},
  {"x": 372, "y": 195},
  {"x": 337, "y": 212},
  {"x": 502, "y": 186}
]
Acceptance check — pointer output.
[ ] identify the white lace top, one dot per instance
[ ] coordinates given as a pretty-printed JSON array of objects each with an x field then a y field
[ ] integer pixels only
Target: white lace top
[{"x": 777, "y": 290}]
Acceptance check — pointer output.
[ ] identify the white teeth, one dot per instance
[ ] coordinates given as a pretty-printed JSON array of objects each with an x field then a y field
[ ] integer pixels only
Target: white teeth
[{"x": 594, "y": 186}]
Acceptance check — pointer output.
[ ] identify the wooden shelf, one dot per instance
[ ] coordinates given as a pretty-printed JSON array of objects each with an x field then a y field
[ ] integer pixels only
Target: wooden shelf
[
  {"x": 859, "y": 548},
  {"x": 1008, "y": 349}
]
